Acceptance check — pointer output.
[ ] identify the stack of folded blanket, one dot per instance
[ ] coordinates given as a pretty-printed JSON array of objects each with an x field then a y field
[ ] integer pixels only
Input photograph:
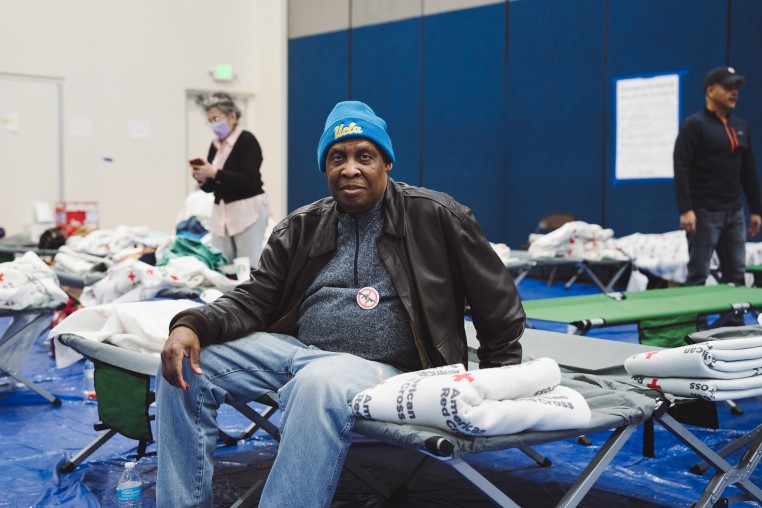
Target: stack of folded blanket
[
  {"x": 124, "y": 242},
  {"x": 132, "y": 280},
  {"x": 69, "y": 261},
  {"x": 28, "y": 282},
  {"x": 714, "y": 370},
  {"x": 486, "y": 402},
  {"x": 576, "y": 239}
]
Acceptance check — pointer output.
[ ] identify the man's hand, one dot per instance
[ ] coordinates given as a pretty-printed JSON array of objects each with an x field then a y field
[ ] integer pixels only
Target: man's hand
[
  {"x": 688, "y": 222},
  {"x": 754, "y": 223},
  {"x": 182, "y": 342}
]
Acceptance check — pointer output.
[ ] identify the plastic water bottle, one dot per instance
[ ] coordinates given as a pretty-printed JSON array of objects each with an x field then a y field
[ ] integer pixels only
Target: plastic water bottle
[
  {"x": 89, "y": 383},
  {"x": 129, "y": 491}
]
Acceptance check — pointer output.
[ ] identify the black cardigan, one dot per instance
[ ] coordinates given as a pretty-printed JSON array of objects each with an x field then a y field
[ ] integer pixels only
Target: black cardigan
[{"x": 239, "y": 177}]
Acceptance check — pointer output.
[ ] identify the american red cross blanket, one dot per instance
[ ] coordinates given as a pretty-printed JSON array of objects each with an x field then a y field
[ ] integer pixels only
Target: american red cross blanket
[{"x": 486, "y": 402}]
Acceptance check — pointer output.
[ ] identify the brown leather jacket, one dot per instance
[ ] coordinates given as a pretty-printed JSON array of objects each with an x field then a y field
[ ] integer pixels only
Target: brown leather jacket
[{"x": 438, "y": 258}]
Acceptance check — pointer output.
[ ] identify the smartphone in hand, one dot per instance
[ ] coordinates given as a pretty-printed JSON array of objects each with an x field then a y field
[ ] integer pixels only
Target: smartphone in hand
[{"x": 198, "y": 161}]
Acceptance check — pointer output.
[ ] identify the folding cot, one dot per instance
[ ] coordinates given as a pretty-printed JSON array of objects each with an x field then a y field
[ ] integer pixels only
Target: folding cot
[
  {"x": 592, "y": 268},
  {"x": 22, "y": 328},
  {"x": 616, "y": 406},
  {"x": 122, "y": 380},
  {"x": 727, "y": 333},
  {"x": 611, "y": 309},
  {"x": 19, "y": 244},
  {"x": 573, "y": 355},
  {"x": 519, "y": 265},
  {"x": 65, "y": 277}
]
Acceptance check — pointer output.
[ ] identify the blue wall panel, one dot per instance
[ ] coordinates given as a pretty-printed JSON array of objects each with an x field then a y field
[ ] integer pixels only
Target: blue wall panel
[
  {"x": 647, "y": 37},
  {"x": 386, "y": 74},
  {"x": 510, "y": 107},
  {"x": 553, "y": 127},
  {"x": 746, "y": 57},
  {"x": 463, "y": 103},
  {"x": 318, "y": 78}
]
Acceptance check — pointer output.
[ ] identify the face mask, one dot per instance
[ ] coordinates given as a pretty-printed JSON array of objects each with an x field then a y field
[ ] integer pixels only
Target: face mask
[{"x": 221, "y": 128}]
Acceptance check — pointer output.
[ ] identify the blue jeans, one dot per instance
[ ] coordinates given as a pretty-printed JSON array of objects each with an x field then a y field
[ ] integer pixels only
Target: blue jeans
[
  {"x": 314, "y": 390},
  {"x": 725, "y": 232}
]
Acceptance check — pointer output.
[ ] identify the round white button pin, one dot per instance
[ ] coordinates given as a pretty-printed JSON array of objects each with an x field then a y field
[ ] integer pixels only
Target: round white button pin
[{"x": 367, "y": 298}]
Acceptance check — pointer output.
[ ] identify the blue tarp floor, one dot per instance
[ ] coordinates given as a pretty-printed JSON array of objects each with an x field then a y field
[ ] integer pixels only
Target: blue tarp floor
[{"x": 36, "y": 438}]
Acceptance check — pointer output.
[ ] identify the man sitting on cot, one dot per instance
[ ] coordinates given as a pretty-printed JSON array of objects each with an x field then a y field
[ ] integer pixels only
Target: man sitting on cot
[{"x": 350, "y": 290}]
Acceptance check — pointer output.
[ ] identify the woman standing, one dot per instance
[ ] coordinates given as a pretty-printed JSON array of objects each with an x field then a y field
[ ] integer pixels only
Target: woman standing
[{"x": 231, "y": 171}]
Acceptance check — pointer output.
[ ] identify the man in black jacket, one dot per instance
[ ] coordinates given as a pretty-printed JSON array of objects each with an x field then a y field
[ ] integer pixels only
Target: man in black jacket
[
  {"x": 350, "y": 290},
  {"x": 714, "y": 164}
]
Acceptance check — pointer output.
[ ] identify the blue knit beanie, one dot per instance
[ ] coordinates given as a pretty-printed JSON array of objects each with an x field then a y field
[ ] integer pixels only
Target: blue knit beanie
[{"x": 353, "y": 119}]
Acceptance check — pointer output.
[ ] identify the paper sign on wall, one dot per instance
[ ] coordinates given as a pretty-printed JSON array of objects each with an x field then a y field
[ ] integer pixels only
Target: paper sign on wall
[
  {"x": 647, "y": 121},
  {"x": 81, "y": 127},
  {"x": 140, "y": 129},
  {"x": 9, "y": 121}
]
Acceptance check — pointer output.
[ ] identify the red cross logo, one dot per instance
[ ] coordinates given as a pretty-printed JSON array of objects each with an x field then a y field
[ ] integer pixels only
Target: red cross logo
[
  {"x": 466, "y": 376},
  {"x": 131, "y": 276},
  {"x": 653, "y": 384},
  {"x": 1, "y": 277},
  {"x": 367, "y": 298}
]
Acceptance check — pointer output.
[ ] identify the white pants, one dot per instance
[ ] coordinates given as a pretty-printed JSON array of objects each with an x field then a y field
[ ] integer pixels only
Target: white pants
[{"x": 248, "y": 242}]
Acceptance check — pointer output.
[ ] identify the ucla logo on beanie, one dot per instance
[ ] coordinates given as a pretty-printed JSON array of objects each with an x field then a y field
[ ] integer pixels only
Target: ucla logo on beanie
[
  {"x": 352, "y": 128},
  {"x": 353, "y": 119}
]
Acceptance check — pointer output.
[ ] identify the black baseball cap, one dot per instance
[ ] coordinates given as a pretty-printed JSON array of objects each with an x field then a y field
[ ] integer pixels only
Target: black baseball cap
[{"x": 724, "y": 76}]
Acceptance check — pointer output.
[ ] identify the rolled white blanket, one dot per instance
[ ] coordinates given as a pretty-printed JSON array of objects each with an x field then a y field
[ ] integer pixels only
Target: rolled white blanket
[
  {"x": 721, "y": 359},
  {"x": 486, "y": 402}
]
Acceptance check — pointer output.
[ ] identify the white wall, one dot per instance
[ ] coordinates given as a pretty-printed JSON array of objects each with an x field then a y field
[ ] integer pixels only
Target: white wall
[{"x": 125, "y": 61}]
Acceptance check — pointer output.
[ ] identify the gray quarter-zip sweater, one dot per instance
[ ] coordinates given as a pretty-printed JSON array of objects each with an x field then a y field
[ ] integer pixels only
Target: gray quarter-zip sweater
[{"x": 334, "y": 318}]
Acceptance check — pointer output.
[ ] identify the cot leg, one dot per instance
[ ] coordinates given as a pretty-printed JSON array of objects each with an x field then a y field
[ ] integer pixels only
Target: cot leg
[
  {"x": 481, "y": 483},
  {"x": 226, "y": 438},
  {"x": 581, "y": 268},
  {"x": 552, "y": 275},
  {"x": 260, "y": 419},
  {"x": 44, "y": 393},
  {"x": 612, "y": 282},
  {"x": 88, "y": 450},
  {"x": 734, "y": 408},
  {"x": 595, "y": 468},
  {"x": 246, "y": 499},
  {"x": 403, "y": 489},
  {"x": 541, "y": 459},
  {"x": 368, "y": 479},
  {"x": 736, "y": 445},
  {"x": 604, "y": 288},
  {"x": 251, "y": 429},
  {"x": 520, "y": 276},
  {"x": 737, "y": 475},
  {"x": 726, "y": 474},
  {"x": 649, "y": 439}
]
